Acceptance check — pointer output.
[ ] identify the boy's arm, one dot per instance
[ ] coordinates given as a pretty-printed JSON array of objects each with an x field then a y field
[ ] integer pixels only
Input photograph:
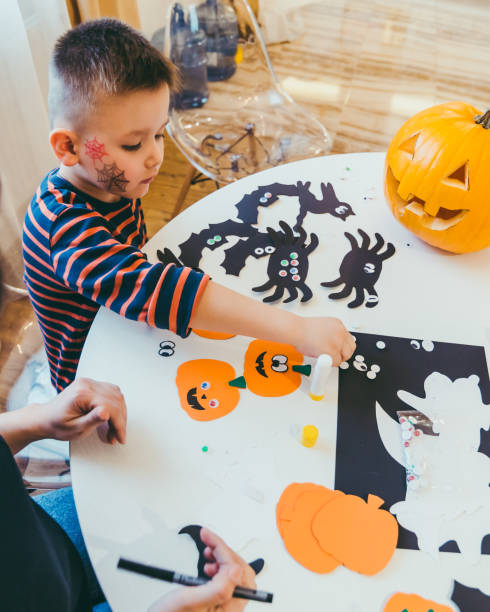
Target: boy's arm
[
  {"x": 221, "y": 309},
  {"x": 92, "y": 262}
]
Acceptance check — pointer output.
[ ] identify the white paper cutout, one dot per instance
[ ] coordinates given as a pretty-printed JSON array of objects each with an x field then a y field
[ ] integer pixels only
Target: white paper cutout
[{"x": 454, "y": 504}]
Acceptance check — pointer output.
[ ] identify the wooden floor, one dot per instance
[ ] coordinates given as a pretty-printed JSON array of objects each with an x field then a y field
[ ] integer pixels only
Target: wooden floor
[{"x": 361, "y": 67}]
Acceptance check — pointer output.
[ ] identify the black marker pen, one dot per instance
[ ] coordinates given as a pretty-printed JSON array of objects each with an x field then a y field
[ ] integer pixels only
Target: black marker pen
[{"x": 169, "y": 576}]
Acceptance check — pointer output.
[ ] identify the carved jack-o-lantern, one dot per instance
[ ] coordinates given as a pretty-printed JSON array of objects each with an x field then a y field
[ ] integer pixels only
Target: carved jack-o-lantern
[
  {"x": 272, "y": 369},
  {"x": 203, "y": 388},
  {"x": 436, "y": 177}
]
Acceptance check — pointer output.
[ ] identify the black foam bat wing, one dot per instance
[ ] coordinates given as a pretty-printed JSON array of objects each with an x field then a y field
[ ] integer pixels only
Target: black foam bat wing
[
  {"x": 263, "y": 196},
  {"x": 194, "y": 531},
  {"x": 258, "y": 245},
  {"x": 212, "y": 237}
]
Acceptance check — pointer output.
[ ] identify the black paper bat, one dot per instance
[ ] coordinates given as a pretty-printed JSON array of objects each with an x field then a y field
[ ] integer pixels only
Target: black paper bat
[
  {"x": 258, "y": 245},
  {"x": 212, "y": 237},
  {"x": 263, "y": 196},
  {"x": 328, "y": 204}
]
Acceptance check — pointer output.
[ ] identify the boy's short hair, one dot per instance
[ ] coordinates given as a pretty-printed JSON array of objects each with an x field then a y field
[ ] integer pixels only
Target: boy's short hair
[{"x": 104, "y": 57}]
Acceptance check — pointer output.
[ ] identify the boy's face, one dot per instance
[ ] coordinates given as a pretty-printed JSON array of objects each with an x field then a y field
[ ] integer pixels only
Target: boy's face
[{"x": 121, "y": 146}]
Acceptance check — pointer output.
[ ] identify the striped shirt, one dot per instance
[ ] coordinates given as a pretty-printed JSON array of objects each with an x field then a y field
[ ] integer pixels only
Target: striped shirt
[{"x": 80, "y": 254}]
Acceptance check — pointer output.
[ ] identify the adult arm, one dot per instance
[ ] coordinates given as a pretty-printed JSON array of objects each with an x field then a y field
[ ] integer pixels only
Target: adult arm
[{"x": 83, "y": 406}]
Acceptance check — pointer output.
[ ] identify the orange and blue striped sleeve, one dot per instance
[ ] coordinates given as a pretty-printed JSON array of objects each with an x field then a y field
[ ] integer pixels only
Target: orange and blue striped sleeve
[{"x": 88, "y": 259}]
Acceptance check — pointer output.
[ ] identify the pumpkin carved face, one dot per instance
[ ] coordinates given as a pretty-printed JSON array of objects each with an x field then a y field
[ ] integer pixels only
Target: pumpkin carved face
[
  {"x": 436, "y": 177},
  {"x": 203, "y": 388},
  {"x": 272, "y": 369},
  {"x": 413, "y": 603}
]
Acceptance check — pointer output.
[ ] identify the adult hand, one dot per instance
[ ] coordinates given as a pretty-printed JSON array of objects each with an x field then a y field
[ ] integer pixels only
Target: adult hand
[
  {"x": 84, "y": 405},
  {"x": 226, "y": 569},
  {"x": 318, "y": 335}
]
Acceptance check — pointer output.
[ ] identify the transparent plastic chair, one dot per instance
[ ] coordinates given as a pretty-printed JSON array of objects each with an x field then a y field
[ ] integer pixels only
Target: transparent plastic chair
[{"x": 239, "y": 120}]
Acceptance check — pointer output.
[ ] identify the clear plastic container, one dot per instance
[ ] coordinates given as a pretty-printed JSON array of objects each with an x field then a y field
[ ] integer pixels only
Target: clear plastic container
[
  {"x": 219, "y": 21},
  {"x": 189, "y": 55}
]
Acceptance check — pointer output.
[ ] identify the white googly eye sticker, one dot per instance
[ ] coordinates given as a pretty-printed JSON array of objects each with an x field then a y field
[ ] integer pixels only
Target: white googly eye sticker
[
  {"x": 205, "y": 386},
  {"x": 369, "y": 268},
  {"x": 214, "y": 403},
  {"x": 428, "y": 345},
  {"x": 359, "y": 358},
  {"x": 259, "y": 251},
  {"x": 269, "y": 249},
  {"x": 340, "y": 210},
  {"x": 380, "y": 345},
  {"x": 279, "y": 363},
  {"x": 344, "y": 365},
  {"x": 360, "y": 365},
  {"x": 371, "y": 375},
  {"x": 415, "y": 344},
  {"x": 375, "y": 368}
]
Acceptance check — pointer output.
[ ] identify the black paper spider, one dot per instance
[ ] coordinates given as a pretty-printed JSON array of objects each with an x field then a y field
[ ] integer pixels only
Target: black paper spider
[
  {"x": 360, "y": 269},
  {"x": 288, "y": 265}
]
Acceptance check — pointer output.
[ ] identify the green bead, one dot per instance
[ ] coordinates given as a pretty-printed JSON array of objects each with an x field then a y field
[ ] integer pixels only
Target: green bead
[{"x": 217, "y": 238}]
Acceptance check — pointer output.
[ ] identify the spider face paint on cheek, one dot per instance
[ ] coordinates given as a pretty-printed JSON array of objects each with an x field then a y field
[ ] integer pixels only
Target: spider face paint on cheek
[{"x": 110, "y": 175}]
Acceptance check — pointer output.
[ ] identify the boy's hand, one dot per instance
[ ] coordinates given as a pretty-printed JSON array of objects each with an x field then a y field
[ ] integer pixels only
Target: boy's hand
[
  {"x": 318, "y": 335},
  {"x": 83, "y": 406},
  {"x": 226, "y": 569}
]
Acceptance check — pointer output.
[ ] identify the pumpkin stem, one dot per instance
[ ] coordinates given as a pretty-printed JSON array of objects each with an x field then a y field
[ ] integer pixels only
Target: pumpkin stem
[
  {"x": 484, "y": 120},
  {"x": 375, "y": 501}
]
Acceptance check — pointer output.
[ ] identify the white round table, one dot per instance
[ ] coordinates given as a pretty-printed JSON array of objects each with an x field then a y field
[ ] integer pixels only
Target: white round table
[{"x": 132, "y": 500}]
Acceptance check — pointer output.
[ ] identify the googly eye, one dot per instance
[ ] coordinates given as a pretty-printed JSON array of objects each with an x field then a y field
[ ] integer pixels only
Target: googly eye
[
  {"x": 284, "y": 262},
  {"x": 205, "y": 385},
  {"x": 294, "y": 262},
  {"x": 269, "y": 249},
  {"x": 293, "y": 255},
  {"x": 369, "y": 268},
  {"x": 268, "y": 194},
  {"x": 295, "y": 277},
  {"x": 293, "y": 270},
  {"x": 217, "y": 238},
  {"x": 263, "y": 199},
  {"x": 210, "y": 241},
  {"x": 415, "y": 344},
  {"x": 259, "y": 251},
  {"x": 214, "y": 403},
  {"x": 283, "y": 273},
  {"x": 279, "y": 363},
  {"x": 340, "y": 210}
]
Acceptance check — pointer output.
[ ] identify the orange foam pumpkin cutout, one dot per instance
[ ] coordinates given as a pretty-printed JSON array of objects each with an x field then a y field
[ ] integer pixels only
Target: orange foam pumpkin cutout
[
  {"x": 358, "y": 534},
  {"x": 212, "y": 335},
  {"x": 436, "y": 177},
  {"x": 203, "y": 388},
  {"x": 287, "y": 501},
  {"x": 404, "y": 602},
  {"x": 297, "y": 534},
  {"x": 272, "y": 369}
]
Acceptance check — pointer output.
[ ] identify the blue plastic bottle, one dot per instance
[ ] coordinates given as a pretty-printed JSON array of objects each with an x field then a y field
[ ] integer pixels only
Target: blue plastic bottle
[
  {"x": 188, "y": 52},
  {"x": 220, "y": 24}
]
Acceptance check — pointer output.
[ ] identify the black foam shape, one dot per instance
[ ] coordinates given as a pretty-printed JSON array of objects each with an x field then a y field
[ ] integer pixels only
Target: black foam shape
[
  {"x": 248, "y": 206},
  {"x": 194, "y": 531},
  {"x": 191, "y": 250},
  {"x": 167, "y": 257},
  {"x": 470, "y": 600},
  {"x": 288, "y": 276},
  {"x": 328, "y": 204},
  {"x": 360, "y": 269},
  {"x": 362, "y": 463},
  {"x": 258, "y": 245}
]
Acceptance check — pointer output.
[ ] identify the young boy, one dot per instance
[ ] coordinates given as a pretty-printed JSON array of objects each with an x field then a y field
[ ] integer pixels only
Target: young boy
[{"x": 108, "y": 105}]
